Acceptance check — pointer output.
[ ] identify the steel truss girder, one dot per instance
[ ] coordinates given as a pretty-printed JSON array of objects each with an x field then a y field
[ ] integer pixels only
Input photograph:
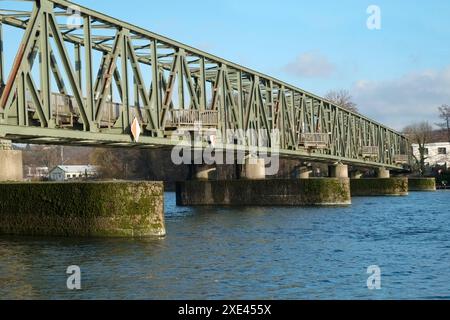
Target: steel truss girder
[{"x": 164, "y": 75}]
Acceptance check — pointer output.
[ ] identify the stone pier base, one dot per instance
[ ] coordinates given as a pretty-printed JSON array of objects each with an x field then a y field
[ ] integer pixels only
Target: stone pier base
[
  {"x": 91, "y": 209},
  {"x": 379, "y": 187},
  {"x": 303, "y": 192},
  {"x": 422, "y": 184}
]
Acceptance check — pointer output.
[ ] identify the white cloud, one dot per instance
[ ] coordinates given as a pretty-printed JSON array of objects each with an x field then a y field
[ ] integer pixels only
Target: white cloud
[
  {"x": 310, "y": 65},
  {"x": 411, "y": 98}
]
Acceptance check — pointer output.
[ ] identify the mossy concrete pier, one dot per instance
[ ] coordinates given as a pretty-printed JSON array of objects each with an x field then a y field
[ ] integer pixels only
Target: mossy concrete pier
[
  {"x": 379, "y": 187},
  {"x": 269, "y": 192},
  {"x": 90, "y": 209},
  {"x": 422, "y": 184}
]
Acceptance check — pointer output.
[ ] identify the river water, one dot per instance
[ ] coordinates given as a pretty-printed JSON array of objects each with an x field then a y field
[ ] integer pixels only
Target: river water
[{"x": 250, "y": 253}]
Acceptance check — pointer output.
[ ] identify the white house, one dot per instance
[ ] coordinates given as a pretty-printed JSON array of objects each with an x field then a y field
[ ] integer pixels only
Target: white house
[
  {"x": 67, "y": 173},
  {"x": 437, "y": 154}
]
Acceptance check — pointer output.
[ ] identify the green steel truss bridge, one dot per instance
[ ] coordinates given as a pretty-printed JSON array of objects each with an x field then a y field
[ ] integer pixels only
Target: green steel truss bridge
[{"x": 79, "y": 77}]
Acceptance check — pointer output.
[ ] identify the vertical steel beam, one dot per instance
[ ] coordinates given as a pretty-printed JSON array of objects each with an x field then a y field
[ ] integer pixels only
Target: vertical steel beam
[
  {"x": 202, "y": 85},
  {"x": 89, "y": 83},
  {"x": 78, "y": 67},
  {"x": 126, "y": 116},
  {"x": 156, "y": 85},
  {"x": 256, "y": 103},
  {"x": 222, "y": 101},
  {"x": 281, "y": 110},
  {"x": 21, "y": 101},
  {"x": 181, "y": 54},
  {"x": 241, "y": 101},
  {"x": 137, "y": 101},
  {"x": 44, "y": 46},
  {"x": 2, "y": 66}
]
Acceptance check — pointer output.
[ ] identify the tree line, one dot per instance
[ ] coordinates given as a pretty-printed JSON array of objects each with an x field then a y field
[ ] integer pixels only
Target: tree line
[{"x": 422, "y": 133}]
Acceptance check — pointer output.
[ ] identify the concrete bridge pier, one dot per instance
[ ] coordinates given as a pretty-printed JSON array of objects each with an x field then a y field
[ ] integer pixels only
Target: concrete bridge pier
[
  {"x": 422, "y": 184},
  {"x": 267, "y": 192},
  {"x": 304, "y": 172},
  {"x": 11, "y": 168},
  {"x": 255, "y": 190},
  {"x": 383, "y": 173},
  {"x": 83, "y": 209},
  {"x": 382, "y": 185},
  {"x": 338, "y": 171},
  {"x": 356, "y": 174},
  {"x": 199, "y": 172},
  {"x": 254, "y": 168}
]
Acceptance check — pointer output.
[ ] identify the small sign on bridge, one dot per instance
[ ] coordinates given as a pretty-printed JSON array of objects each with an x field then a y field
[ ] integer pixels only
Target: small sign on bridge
[{"x": 136, "y": 130}]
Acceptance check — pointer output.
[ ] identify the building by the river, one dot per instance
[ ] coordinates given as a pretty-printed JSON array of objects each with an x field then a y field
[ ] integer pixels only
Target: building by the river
[
  {"x": 437, "y": 154},
  {"x": 67, "y": 173},
  {"x": 35, "y": 173}
]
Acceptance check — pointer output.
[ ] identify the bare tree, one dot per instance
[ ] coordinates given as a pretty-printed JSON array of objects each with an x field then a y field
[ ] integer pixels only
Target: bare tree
[
  {"x": 110, "y": 162},
  {"x": 421, "y": 134},
  {"x": 444, "y": 114},
  {"x": 48, "y": 156},
  {"x": 343, "y": 99}
]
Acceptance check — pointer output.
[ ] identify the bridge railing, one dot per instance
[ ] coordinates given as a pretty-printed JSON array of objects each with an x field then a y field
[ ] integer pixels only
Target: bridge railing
[
  {"x": 370, "y": 151},
  {"x": 315, "y": 140},
  {"x": 401, "y": 159},
  {"x": 187, "y": 118},
  {"x": 210, "y": 118},
  {"x": 66, "y": 110}
]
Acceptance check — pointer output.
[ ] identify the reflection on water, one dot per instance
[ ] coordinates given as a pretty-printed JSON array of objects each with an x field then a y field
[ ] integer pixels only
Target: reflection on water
[{"x": 250, "y": 253}]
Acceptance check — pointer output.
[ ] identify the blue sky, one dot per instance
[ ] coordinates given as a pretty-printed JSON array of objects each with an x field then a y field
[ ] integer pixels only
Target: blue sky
[{"x": 397, "y": 75}]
